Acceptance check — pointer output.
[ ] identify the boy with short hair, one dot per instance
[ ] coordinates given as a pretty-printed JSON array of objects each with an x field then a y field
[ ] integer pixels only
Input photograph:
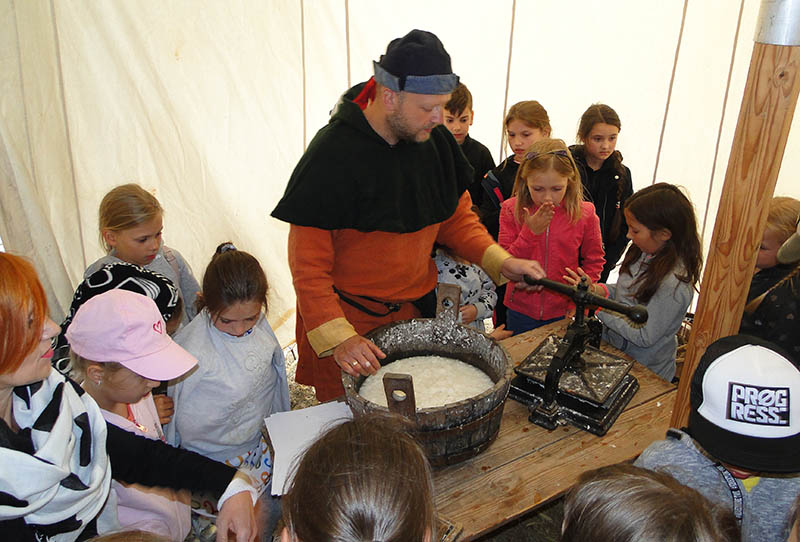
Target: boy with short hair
[
  {"x": 741, "y": 448},
  {"x": 458, "y": 117}
]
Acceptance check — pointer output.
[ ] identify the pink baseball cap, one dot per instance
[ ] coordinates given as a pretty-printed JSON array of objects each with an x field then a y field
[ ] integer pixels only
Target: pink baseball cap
[{"x": 127, "y": 328}]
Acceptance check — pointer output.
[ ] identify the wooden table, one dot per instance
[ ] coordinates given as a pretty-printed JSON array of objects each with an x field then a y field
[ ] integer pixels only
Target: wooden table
[{"x": 527, "y": 466}]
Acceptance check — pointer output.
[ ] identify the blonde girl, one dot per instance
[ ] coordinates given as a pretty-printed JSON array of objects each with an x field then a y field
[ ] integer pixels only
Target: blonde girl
[
  {"x": 131, "y": 224},
  {"x": 773, "y": 300},
  {"x": 547, "y": 220},
  {"x": 606, "y": 180},
  {"x": 660, "y": 271}
]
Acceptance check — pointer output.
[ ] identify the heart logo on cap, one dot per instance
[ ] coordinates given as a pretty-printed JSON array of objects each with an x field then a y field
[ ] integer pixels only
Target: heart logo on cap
[{"x": 159, "y": 327}]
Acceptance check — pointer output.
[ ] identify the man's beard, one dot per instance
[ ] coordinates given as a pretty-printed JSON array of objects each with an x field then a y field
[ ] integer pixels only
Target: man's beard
[{"x": 399, "y": 125}]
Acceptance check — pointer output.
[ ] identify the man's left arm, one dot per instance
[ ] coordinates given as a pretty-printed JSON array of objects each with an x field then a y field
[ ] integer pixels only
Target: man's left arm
[{"x": 469, "y": 239}]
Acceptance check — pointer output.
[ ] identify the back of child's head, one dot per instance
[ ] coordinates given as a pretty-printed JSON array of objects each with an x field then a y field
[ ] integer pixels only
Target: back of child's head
[
  {"x": 460, "y": 100},
  {"x": 663, "y": 206},
  {"x": 124, "y": 207},
  {"x": 531, "y": 113},
  {"x": 623, "y": 503},
  {"x": 782, "y": 217},
  {"x": 543, "y": 156},
  {"x": 365, "y": 479},
  {"x": 596, "y": 114},
  {"x": 233, "y": 276},
  {"x": 743, "y": 405}
]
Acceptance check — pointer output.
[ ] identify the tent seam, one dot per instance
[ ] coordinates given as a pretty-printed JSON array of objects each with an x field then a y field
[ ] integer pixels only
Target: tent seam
[
  {"x": 347, "y": 39},
  {"x": 669, "y": 92},
  {"x": 508, "y": 76},
  {"x": 60, "y": 71},
  {"x": 303, "y": 68},
  {"x": 722, "y": 117}
]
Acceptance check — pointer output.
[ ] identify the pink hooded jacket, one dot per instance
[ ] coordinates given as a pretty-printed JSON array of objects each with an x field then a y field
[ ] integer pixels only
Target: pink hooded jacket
[{"x": 555, "y": 249}]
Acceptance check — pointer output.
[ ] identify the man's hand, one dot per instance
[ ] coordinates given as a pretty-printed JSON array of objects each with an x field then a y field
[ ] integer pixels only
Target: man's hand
[
  {"x": 358, "y": 356},
  {"x": 515, "y": 268}
]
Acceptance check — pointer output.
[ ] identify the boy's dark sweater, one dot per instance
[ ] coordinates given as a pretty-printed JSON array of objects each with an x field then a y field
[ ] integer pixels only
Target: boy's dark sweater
[
  {"x": 481, "y": 161},
  {"x": 489, "y": 212}
]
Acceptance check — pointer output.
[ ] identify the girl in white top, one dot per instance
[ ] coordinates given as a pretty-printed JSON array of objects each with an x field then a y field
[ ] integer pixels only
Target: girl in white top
[{"x": 241, "y": 374}]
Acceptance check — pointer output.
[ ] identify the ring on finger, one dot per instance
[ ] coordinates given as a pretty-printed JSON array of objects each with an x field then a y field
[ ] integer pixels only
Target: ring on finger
[{"x": 355, "y": 364}]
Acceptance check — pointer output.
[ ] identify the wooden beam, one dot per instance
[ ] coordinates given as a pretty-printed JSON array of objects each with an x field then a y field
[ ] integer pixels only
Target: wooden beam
[{"x": 768, "y": 104}]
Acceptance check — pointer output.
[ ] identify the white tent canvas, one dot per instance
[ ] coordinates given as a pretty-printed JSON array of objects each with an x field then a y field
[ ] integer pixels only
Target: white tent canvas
[{"x": 210, "y": 105}]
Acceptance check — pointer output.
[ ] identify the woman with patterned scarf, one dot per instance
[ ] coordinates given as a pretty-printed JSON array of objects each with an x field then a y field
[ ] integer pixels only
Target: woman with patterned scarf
[{"x": 58, "y": 455}]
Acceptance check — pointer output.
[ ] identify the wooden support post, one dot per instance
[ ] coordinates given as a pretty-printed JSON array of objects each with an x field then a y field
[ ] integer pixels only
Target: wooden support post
[{"x": 768, "y": 104}]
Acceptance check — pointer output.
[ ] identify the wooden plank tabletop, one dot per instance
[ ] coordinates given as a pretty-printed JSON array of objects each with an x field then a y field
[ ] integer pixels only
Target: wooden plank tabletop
[{"x": 528, "y": 466}]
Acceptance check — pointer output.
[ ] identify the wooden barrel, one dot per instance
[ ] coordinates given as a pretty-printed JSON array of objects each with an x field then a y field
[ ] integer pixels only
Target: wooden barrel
[{"x": 455, "y": 431}]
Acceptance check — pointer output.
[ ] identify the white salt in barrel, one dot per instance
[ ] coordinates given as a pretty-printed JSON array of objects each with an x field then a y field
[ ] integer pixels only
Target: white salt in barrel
[{"x": 437, "y": 381}]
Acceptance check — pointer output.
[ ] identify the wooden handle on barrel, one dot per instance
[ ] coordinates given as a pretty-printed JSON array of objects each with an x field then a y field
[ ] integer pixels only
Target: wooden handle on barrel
[{"x": 400, "y": 399}]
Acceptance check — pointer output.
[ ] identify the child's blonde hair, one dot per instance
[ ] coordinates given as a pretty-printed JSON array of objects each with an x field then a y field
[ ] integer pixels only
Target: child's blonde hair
[
  {"x": 782, "y": 217},
  {"x": 543, "y": 156},
  {"x": 80, "y": 366},
  {"x": 124, "y": 207}
]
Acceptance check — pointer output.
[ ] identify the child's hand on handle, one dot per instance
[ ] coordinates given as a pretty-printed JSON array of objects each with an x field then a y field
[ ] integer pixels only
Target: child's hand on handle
[
  {"x": 538, "y": 221},
  {"x": 237, "y": 516},
  {"x": 358, "y": 356},
  {"x": 468, "y": 313},
  {"x": 515, "y": 268},
  {"x": 574, "y": 277}
]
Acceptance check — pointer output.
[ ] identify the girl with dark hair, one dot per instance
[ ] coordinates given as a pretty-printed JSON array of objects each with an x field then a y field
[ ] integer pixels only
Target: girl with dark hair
[
  {"x": 240, "y": 377},
  {"x": 365, "y": 479},
  {"x": 660, "y": 271},
  {"x": 606, "y": 181}
]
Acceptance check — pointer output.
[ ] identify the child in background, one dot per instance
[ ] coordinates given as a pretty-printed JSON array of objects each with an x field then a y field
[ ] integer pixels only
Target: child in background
[
  {"x": 606, "y": 180},
  {"x": 548, "y": 221},
  {"x": 773, "y": 302},
  {"x": 623, "y": 503},
  {"x": 131, "y": 221},
  {"x": 364, "y": 479},
  {"x": 660, "y": 271},
  {"x": 525, "y": 124},
  {"x": 121, "y": 348},
  {"x": 740, "y": 447},
  {"x": 241, "y": 374},
  {"x": 458, "y": 117},
  {"x": 478, "y": 296}
]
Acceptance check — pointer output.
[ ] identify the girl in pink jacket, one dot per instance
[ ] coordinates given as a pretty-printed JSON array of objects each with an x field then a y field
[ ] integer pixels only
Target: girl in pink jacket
[{"x": 548, "y": 221}]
